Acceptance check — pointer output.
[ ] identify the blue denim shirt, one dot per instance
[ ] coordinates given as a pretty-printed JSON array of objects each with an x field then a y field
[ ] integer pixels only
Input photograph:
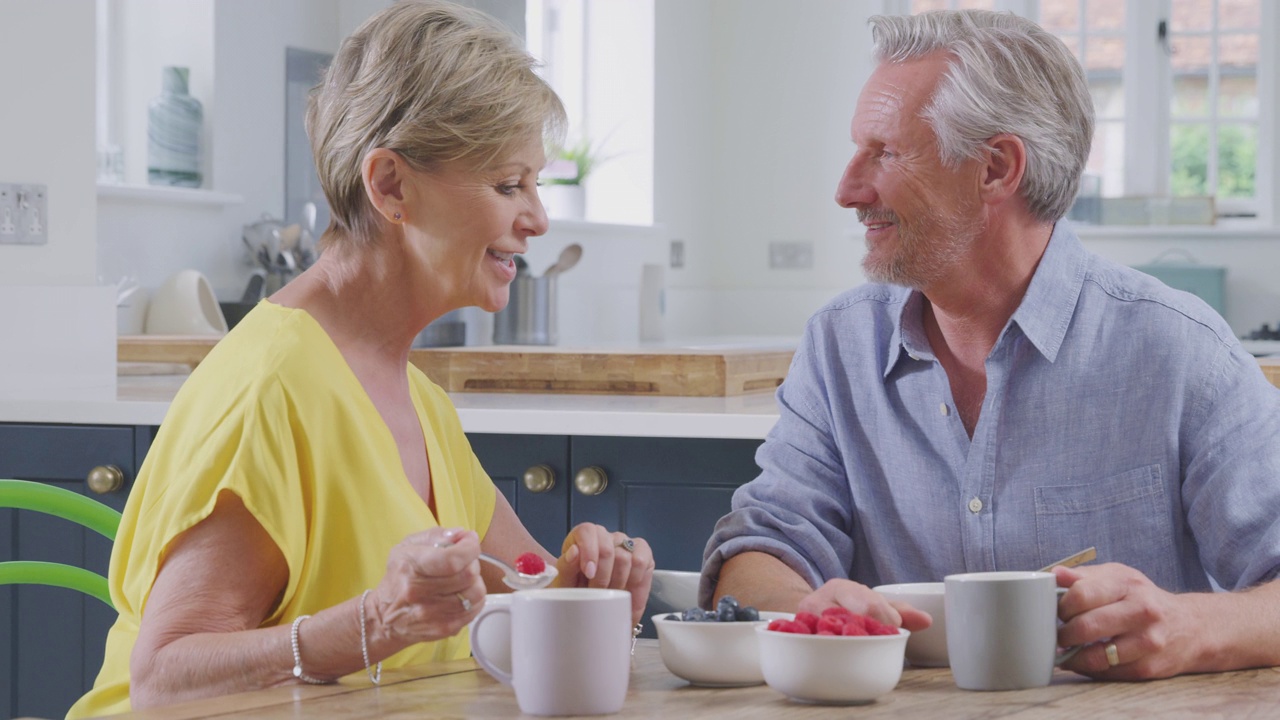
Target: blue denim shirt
[{"x": 1119, "y": 413}]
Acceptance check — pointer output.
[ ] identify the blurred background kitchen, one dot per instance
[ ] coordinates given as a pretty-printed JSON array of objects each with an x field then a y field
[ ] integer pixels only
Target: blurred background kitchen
[{"x": 720, "y": 128}]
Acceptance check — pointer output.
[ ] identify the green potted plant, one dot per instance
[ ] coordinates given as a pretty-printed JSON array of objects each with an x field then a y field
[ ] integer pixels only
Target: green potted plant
[{"x": 562, "y": 190}]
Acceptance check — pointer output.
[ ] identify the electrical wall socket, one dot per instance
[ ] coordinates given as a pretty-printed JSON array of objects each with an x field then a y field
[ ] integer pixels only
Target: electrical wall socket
[
  {"x": 677, "y": 254},
  {"x": 24, "y": 214},
  {"x": 790, "y": 255}
]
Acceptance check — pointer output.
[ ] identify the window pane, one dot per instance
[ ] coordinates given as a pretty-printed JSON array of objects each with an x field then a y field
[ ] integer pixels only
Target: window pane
[
  {"x": 1190, "y": 96},
  {"x": 1238, "y": 95},
  {"x": 1237, "y": 161},
  {"x": 1104, "y": 15},
  {"x": 1057, "y": 16},
  {"x": 976, "y": 4},
  {"x": 1189, "y": 146},
  {"x": 1191, "y": 54},
  {"x": 1104, "y": 55},
  {"x": 919, "y": 6},
  {"x": 1238, "y": 50},
  {"x": 1239, "y": 14},
  {"x": 1073, "y": 44},
  {"x": 1106, "y": 157},
  {"x": 1191, "y": 15},
  {"x": 1108, "y": 96}
]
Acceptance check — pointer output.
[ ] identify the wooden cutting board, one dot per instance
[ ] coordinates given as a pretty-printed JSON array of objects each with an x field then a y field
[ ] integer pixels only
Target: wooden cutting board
[{"x": 686, "y": 372}]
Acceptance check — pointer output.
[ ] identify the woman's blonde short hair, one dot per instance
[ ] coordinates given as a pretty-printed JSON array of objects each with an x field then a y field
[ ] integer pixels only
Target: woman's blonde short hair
[{"x": 436, "y": 82}]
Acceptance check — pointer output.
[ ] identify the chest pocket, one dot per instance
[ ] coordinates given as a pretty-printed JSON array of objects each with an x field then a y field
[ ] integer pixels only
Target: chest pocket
[{"x": 1126, "y": 516}]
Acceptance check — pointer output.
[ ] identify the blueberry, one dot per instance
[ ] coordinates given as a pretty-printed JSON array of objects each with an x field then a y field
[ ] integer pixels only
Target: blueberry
[
  {"x": 748, "y": 614},
  {"x": 727, "y": 609},
  {"x": 694, "y": 615}
]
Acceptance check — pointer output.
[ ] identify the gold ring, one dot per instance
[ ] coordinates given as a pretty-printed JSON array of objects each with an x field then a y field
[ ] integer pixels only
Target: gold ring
[
  {"x": 629, "y": 545},
  {"x": 1113, "y": 657},
  {"x": 466, "y": 604}
]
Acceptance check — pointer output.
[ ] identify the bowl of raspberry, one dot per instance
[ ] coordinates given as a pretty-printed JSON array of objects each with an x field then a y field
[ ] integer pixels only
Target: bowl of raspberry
[
  {"x": 713, "y": 648},
  {"x": 837, "y": 658}
]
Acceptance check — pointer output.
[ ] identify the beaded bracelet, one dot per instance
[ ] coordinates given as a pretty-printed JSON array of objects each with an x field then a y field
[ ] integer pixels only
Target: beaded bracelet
[
  {"x": 297, "y": 654},
  {"x": 364, "y": 644}
]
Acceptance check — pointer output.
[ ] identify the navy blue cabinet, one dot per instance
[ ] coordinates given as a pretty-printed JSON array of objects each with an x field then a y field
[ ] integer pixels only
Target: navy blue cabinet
[{"x": 51, "y": 639}]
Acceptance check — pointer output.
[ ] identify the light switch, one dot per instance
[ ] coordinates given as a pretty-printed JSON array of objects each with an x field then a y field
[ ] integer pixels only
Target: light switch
[{"x": 24, "y": 214}]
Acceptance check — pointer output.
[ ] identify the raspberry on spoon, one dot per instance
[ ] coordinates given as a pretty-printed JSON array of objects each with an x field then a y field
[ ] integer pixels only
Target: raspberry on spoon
[{"x": 530, "y": 564}]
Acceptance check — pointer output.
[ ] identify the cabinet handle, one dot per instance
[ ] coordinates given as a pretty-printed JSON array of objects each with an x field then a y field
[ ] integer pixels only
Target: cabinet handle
[
  {"x": 539, "y": 478},
  {"x": 591, "y": 480},
  {"x": 104, "y": 479}
]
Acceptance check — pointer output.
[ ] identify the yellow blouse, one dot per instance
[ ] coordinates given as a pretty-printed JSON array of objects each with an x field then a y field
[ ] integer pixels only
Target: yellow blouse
[{"x": 275, "y": 415}]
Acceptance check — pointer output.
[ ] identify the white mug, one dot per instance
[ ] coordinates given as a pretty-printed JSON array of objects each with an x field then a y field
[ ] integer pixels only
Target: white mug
[
  {"x": 1002, "y": 629},
  {"x": 495, "y": 636},
  {"x": 570, "y": 649},
  {"x": 928, "y": 647}
]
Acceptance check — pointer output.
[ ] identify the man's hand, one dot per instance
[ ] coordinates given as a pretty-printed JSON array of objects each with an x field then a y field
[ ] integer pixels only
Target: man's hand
[
  {"x": 1156, "y": 633},
  {"x": 861, "y": 599}
]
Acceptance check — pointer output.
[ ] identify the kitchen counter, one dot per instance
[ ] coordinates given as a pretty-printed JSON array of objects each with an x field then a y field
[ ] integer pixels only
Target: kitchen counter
[{"x": 144, "y": 399}]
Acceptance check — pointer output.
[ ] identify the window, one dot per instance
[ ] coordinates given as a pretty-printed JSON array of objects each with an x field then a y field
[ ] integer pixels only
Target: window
[{"x": 1183, "y": 90}]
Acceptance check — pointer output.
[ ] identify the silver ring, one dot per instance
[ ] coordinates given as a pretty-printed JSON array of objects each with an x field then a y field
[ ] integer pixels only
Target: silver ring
[
  {"x": 466, "y": 604},
  {"x": 629, "y": 545},
  {"x": 1113, "y": 656}
]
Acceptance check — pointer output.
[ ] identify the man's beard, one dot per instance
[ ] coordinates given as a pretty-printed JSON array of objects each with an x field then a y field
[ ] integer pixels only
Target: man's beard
[{"x": 926, "y": 249}]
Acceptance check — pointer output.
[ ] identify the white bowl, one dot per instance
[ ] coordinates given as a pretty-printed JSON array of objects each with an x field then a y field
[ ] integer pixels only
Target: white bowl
[
  {"x": 831, "y": 670},
  {"x": 928, "y": 647},
  {"x": 713, "y": 654},
  {"x": 185, "y": 305}
]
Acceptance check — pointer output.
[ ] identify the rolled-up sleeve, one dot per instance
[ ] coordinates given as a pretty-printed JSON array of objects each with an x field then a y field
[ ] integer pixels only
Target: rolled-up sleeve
[{"x": 799, "y": 509}]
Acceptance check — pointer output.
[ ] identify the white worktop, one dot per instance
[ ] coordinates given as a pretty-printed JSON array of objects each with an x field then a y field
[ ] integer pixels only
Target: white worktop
[{"x": 144, "y": 399}]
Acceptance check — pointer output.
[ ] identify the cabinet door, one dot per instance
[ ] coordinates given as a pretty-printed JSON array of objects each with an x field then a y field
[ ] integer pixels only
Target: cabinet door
[
  {"x": 670, "y": 491},
  {"x": 507, "y": 458},
  {"x": 56, "y": 646}
]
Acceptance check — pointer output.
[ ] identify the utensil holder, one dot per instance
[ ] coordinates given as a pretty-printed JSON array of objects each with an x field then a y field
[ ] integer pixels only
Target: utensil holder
[{"x": 530, "y": 316}]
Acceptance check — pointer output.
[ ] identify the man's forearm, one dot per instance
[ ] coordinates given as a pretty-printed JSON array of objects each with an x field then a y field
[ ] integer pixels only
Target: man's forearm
[
  {"x": 1242, "y": 629},
  {"x": 762, "y": 581}
]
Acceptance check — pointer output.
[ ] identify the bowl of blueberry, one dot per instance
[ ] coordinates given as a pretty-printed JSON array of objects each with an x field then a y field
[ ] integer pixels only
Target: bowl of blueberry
[{"x": 714, "y": 648}]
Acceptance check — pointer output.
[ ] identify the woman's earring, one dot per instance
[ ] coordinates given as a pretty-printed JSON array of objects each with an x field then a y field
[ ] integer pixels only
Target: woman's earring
[{"x": 396, "y": 216}]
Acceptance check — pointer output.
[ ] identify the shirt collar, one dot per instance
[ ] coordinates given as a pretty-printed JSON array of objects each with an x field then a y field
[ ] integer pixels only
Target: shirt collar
[{"x": 1043, "y": 315}]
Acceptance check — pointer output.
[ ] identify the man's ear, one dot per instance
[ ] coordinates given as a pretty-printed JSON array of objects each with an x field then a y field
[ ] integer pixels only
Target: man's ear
[
  {"x": 385, "y": 173},
  {"x": 1005, "y": 167}
]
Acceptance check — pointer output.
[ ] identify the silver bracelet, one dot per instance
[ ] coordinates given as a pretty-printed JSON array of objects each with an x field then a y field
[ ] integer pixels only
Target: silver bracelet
[
  {"x": 375, "y": 677},
  {"x": 297, "y": 655}
]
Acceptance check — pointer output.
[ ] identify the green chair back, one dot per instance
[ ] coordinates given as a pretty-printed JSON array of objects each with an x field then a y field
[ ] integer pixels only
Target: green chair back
[{"x": 90, "y": 513}]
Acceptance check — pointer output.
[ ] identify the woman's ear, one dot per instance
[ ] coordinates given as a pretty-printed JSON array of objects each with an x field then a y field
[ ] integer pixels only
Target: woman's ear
[
  {"x": 385, "y": 173},
  {"x": 1005, "y": 167}
]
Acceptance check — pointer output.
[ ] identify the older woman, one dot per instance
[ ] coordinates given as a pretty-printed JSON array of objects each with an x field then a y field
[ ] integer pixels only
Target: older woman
[{"x": 311, "y": 506}]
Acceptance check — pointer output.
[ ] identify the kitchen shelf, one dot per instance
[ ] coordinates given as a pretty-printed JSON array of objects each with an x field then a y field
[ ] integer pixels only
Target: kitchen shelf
[{"x": 166, "y": 195}]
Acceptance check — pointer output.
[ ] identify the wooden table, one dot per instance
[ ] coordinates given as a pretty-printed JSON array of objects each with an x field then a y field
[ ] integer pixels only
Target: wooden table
[{"x": 459, "y": 689}]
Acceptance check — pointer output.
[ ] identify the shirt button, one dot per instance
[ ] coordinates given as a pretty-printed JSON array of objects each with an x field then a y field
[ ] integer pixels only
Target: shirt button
[
  {"x": 944, "y": 410},
  {"x": 975, "y": 505}
]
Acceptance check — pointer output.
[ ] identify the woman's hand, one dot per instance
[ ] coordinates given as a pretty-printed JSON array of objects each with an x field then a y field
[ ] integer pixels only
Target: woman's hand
[
  {"x": 591, "y": 556},
  {"x": 432, "y": 587}
]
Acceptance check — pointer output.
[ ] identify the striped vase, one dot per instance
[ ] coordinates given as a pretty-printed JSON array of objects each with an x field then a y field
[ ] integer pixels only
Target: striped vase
[{"x": 173, "y": 133}]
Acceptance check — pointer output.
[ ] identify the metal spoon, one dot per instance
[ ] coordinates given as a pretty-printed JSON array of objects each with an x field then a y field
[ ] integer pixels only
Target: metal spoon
[
  {"x": 569, "y": 257},
  {"x": 513, "y": 578}
]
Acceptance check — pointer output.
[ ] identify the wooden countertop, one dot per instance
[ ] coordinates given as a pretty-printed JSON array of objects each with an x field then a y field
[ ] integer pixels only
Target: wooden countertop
[{"x": 459, "y": 689}]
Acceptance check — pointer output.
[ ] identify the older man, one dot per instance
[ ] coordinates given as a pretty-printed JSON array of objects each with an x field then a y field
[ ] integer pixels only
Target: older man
[{"x": 999, "y": 397}]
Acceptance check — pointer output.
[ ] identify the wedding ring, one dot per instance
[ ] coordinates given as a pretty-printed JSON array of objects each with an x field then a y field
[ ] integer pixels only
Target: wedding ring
[
  {"x": 629, "y": 545},
  {"x": 1113, "y": 657},
  {"x": 466, "y": 604}
]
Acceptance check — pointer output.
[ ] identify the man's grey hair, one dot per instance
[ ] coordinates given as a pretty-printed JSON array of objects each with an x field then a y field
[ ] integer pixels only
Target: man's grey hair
[{"x": 1006, "y": 75}]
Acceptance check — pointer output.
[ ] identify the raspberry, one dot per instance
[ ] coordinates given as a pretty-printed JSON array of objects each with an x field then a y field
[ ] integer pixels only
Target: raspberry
[
  {"x": 809, "y": 620},
  {"x": 790, "y": 626},
  {"x": 838, "y": 612},
  {"x": 830, "y": 625},
  {"x": 875, "y": 627},
  {"x": 776, "y": 624},
  {"x": 530, "y": 564},
  {"x": 853, "y": 629}
]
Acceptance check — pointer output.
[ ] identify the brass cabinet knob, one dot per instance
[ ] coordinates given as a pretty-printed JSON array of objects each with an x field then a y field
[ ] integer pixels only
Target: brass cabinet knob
[
  {"x": 105, "y": 478},
  {"x": 591, "y": 480},
  {"x": 539, "y": 478}
]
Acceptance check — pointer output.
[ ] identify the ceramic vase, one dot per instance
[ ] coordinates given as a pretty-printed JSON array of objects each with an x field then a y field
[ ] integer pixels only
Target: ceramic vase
[
  {"x": 565, "y": 202},
  {"x": 174, "y": 121}
]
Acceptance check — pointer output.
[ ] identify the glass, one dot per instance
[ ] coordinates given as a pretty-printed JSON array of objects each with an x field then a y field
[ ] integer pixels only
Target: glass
[
  {"x": 1238, "y": 51},
  {"x": 1059, "y": 15},
  {"x": 1191, "y": 15},
  {"x": 1190, "y": 97},
  {"x": 1237, "y": 161},
  {"x": 1104, "y": 15},
  {"x": 1189, "y": 152},
  {"x": 1108, "y": 97},
  {"x": 1239, "y": 14},
  {"x": 1191, "y": 54},
  {"x": 1106, "y": 157},
  {"x": 1104, "y": 54},
  {"x": 1238, "y": 96}
]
